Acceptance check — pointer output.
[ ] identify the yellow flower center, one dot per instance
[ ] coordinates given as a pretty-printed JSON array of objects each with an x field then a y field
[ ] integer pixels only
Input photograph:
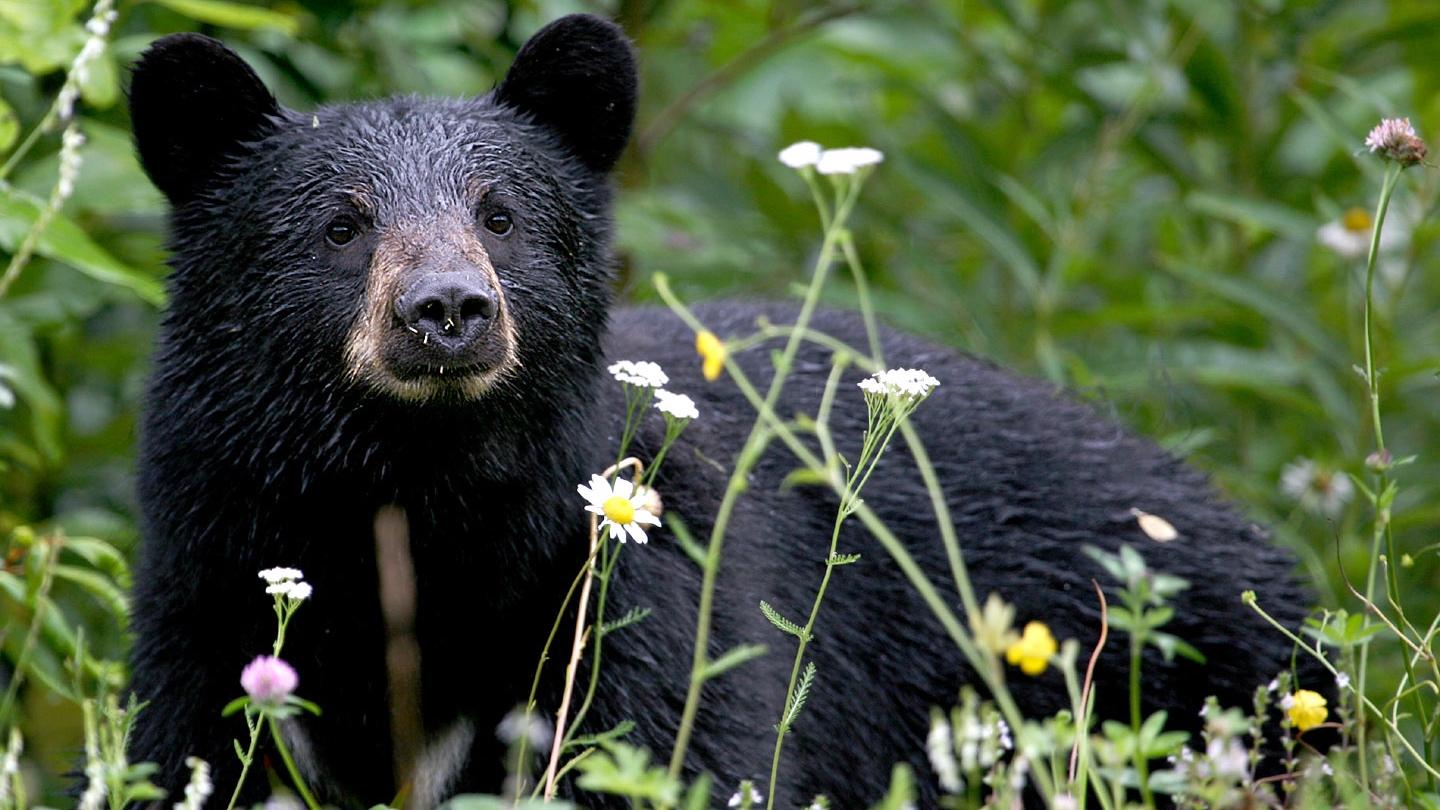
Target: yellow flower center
[
  {"x": 1033, "y": 651},
  {"x": 618, "y": 509},
  {"x": 1307, "y": 709},
  {"x": 712, "y": 349},
  {"x": 1356, "y": 220}
]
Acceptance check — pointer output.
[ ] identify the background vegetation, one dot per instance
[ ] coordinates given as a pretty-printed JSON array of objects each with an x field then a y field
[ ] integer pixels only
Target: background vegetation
[{"x": 1124, "y": 197}]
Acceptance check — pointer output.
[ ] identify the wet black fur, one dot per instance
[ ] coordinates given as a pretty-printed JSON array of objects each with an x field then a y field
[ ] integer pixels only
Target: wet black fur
[{"x": 257, "y": 451}]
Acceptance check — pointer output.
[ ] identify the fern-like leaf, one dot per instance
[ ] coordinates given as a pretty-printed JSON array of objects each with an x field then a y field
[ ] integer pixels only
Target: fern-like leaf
[
  {"x": 797, "y": 700},
  {"x": 781, "y": 623}
]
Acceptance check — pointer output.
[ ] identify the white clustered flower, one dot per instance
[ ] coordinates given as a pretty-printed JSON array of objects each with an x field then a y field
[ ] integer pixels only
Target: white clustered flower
[
  {"x": 1318, "y": 490},
  {"x": 518, "y": 724},
  {"x": 1228, "y": 757},
  {"x": 847, "y": 160},
  {"x": 676, "y": 405},
  {"x": 276, "y": 575},
  {"x": 99, "y": 28},
  {"x": 737, "y": 798},
  {"x": 70, "y": 144},
  {"x": 940, "y": 747},
  {"x": 900, "y": 382},
  {"x": 624, "y": 509},
  {"x": 199, "y": 788},
  {"x": 1342, "y": 680},
  {"x": 801, "y": 154},
  {"x": 643, "y": 374}
]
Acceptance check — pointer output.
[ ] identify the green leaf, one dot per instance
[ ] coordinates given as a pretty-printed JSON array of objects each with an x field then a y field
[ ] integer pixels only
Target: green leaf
[
  {"x": 235, "y": 15},
  {"x": 732, "y": 659},
  {"x": 632, "y": 616},
  {"x": 842, "y": 559},
  {"x": 234, "y": 706},
  {"x": 624, "y": 770},
  {"x": 802, "y": 477},
  {"x": 9, "y": 127},
  {"x": 781, "y": 623},
  {"x": 1261, "y": 216},
  {"x": 66, "y": 242},
  {"x": 698, "y": 798},
  {"x": 797, "y": 700},
  {"x": 101, "y": 587},
  {"x": 586, "y": 740}
]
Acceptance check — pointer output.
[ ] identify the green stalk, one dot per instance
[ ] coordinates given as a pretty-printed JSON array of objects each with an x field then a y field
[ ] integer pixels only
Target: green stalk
[
  {"x": 1142, "y": 764},
  {"x": 245, "y": 763},
  {"x": 748, "y": 457},
  {"x": 290, "y": 765},
  {"x": 992, "y": 679}
]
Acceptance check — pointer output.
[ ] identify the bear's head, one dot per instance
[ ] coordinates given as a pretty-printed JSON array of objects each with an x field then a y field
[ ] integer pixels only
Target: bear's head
[{"x": 418, "y": 249}]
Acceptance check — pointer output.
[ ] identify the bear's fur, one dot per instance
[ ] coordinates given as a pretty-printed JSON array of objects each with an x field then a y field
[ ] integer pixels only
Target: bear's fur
[{"x": 269, "y": 440}]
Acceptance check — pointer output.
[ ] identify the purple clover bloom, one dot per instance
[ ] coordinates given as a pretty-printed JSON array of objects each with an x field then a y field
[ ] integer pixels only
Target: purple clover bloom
[{"x": 269, "y": 680}]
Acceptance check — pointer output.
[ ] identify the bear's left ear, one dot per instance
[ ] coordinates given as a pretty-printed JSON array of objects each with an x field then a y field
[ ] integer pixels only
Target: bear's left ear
[{"x": 577, "y": 77}]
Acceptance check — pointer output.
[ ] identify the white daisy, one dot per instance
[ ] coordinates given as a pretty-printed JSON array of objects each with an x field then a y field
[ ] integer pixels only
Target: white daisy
[
  {"x": 623, "y": 508},
  {"x": 639, "y": 373},
  {"x": 278, "y": 575},
  {"x": 847, "y": 160},
  {"x": 676, "y": 405},
  {"x": 801, "y": 154},
  {"x": 1318, "y": 489}
]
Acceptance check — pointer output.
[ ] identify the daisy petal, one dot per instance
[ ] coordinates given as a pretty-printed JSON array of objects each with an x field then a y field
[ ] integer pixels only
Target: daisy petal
[{"x": 637, "y": 533}]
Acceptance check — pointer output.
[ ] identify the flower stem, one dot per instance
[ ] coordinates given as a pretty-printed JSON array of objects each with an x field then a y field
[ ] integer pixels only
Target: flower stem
[
  {"x": 748, "y": 457},
  {"x": 290, "y": 765},
  {"x": 249, "y": 757}
]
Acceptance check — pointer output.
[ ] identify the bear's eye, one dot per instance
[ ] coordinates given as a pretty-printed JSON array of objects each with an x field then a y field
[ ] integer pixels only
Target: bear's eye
[
  {"x": 341, "y": 231},
  {"x": 499, "y": 223}
]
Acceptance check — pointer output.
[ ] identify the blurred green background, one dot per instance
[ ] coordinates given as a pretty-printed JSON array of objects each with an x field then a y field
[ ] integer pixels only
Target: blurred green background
[{"x": 1142, "y": 200}]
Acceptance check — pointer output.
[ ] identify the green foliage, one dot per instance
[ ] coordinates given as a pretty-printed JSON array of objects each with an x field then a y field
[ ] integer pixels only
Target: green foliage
[{"x": 1121, "y": 197}]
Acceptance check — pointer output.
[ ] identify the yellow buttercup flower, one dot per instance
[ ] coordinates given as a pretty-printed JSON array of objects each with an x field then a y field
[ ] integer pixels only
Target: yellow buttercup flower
[
  {"x": 1033, "y": 651},
  {"x": 712, "y": 349},
  {"x": 1306, "y": 709}
]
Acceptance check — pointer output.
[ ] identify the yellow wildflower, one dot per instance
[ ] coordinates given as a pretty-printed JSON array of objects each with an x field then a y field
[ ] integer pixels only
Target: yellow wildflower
[
  {"x": 1306, "y": 709},
  {"x": 712, "y": 349},
  {"x": 1033, "y": 651}
]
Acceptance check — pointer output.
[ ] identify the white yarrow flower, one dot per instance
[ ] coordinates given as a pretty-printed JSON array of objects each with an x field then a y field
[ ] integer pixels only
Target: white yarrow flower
[
  {"x": 640, "y": 373},
  {"x": 801, "y": 154},
  {"x": 900, "y": 382},
  {"x": 676, "y": 405},
  {"x": 300, "y": 591},
  {"x": 940, "y": 748},
  {"x": 278, "y": 575},
  {"x": 847, "y": 160},
  {"x": 624, "y": 509}
]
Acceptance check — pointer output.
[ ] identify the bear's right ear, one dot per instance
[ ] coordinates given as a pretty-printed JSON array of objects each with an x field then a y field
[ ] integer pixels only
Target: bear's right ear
[
  {"x": 193, "y": 102},
  {"x": 577, "y": 77}
]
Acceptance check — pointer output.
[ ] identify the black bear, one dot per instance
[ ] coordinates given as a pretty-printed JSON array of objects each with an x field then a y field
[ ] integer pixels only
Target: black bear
[{"x": 407, "y": 302}]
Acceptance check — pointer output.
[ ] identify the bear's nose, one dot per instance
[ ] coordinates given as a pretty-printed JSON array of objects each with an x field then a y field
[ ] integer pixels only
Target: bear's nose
[{"x": 454, "y": 305}]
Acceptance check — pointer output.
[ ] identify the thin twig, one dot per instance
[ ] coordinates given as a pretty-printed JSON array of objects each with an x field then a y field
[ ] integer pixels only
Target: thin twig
[
  {"x": 1090, "y": 676},
  {"x": 578, "y": 646}
]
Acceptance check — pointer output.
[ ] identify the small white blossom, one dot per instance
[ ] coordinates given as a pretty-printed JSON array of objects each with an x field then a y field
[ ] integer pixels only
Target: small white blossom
[
  {"x": 1228, "y": 758},
  {"x": 1005, "y": 741},
  {"x": 99, "y": 28},
  {"x": 70, "y": 144},
  {"x": 199, "y": 788},
  {"x": 1063, "y": 801},
  {"x": 1342, "y": 680},
  {"x": 1272, "y": 685},
  {"x": 940, "y": 748},
  {"x": 801, "y": 154},
  {"x": 11, "y": 765},
  {"x": 847, "y": 160},
  {"x": 1287, "y": 701},
  {"x": 676, "y": 405},
  {"x": 300, "y": 591},
  {"x": 1317, "y": 489},
  {"x": 739, "y": 797},
  {"x": 519, "y": 725},
  {"x": 276, "y": 575},
  {"x": 625, "y": 510},
  {"x": 643, "y": 374},
  {"x": 900, "y": 382}
]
